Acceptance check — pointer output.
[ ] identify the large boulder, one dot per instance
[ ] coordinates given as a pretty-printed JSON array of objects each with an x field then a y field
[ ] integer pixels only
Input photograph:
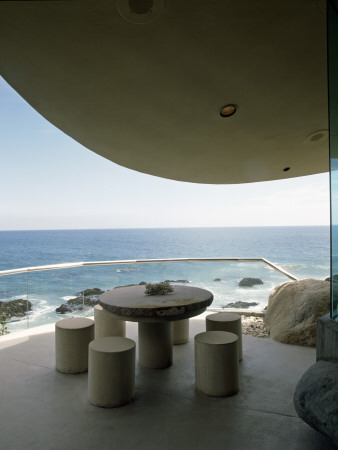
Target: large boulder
[
  {"x": 316, "y": 398},
  {"x": 294, "y": 308}
]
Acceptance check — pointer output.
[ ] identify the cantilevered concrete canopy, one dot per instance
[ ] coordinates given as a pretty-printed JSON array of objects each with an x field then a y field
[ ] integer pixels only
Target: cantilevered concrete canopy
[{"x": 142, "y": 82}]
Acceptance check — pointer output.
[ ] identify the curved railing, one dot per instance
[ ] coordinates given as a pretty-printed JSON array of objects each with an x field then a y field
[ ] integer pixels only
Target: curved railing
[
  {"x": 43, "y": 288},
  {"x": 141, "y": 261}
]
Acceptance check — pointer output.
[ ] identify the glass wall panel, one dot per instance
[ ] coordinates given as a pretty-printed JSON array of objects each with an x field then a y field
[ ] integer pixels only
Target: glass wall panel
[
  {"x": 333, "y": 113},
  {"x": 56, "y": 294}
]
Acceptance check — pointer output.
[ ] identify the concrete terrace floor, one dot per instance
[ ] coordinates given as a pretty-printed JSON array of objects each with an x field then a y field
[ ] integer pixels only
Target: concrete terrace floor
[{"x": 43, "y": 409}]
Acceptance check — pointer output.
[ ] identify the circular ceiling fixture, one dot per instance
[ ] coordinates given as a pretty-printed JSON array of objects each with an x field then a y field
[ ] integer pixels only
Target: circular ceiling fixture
[
  {"x": 228, "y": 110},
  {"x": 317, "y": 136},
  {"x": 140, "y": 11}
]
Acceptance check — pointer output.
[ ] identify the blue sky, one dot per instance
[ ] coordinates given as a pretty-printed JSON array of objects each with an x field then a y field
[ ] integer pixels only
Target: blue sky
[{"x": 49, "y": 181}]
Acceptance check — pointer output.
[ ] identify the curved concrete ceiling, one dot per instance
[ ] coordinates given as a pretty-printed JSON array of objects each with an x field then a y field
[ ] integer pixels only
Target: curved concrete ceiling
[{"x": 142, "y": 82}]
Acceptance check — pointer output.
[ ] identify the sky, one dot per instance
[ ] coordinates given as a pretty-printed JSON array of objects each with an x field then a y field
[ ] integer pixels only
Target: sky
[{"x": 49, "y": 181}]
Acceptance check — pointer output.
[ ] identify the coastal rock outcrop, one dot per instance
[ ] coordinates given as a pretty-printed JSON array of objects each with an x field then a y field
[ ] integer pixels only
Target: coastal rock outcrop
[
  {"x": 15, "y": 308},
  {"x": 85, "y": 299},
  {"x": 142, "y": 283},
  {"x": 316, "y": 398},
  {"x": 63, "y": 309},
  {"x": 294, "y": 308},
  {"x": 176, "y": 281},
  {"x": 240, "y": 305},
  {"x": 90, "y": 292},
  {"x": 249, "y": 282}
]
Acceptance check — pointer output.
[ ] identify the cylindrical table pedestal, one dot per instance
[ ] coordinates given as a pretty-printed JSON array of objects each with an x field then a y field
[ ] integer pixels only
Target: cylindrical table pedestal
[
  {"x": 216, "y": 363},
  {"x": 230, "y": 322},
  {"x": 111, "y": 371},
  {"x": 180, "y": 331},
  {"x": 107, "y": 325},
  {"x": 155, "y": 344}
]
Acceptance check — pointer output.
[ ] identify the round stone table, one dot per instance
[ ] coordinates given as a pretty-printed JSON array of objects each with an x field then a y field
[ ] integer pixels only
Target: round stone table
[{"x": 154, "y": 314}]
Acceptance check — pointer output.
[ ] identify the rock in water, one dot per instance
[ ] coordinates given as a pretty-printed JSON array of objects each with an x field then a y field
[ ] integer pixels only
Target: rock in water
[
  {"x": 316, "y": 398},
  {"x": 85, "y": 299},
  {"x": 294, "y": 308},
  {"x": 249, "y": 282},
  {"x": 90, "y": 292},
  {"x": 63, "y": 309},
  {"x": 176, "y": 281},
  {"x": 240, "y": 305},
  {"x": 15, "y": 308}
]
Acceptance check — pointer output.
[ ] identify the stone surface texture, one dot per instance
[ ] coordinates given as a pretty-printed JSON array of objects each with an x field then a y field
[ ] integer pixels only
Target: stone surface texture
[
  {"x": 294, "y": 308},
  {"x": 254, "y": 326},
  {"x": 316, "y": 398},
  {"x": 133, "y": 304}
]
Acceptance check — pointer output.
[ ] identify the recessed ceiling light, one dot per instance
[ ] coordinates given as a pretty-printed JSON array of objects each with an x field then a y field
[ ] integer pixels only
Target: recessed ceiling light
[
  {"x": 286, "y": 169},
  {"x": 140, "y": 6},
  {"x": 228, "y": 110},
  {"x": 140, "y": 11},
  {"x": 317, "y": 136}
]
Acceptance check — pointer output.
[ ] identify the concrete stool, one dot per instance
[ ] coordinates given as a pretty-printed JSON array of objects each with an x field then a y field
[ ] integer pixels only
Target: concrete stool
[
  {"x": 180, "y": 331},
  {"x": 216, "y": 363},
  {"x": 72, "y": 337},
  {"x": 106, "y": 325},
  {"x": 226, "y": 322},
  {"x": 111, "y": 371}
]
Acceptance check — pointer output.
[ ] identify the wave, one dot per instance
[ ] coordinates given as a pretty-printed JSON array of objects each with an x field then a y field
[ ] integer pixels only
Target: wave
[
  {"x": 39, "y": 309},
  {"x": 68, "y": 297},
  {"x": 127, "y": 270},
  {"x": 17, "y": 297}
]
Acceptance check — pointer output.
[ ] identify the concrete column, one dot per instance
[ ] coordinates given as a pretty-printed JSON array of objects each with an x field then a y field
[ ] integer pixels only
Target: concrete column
[
  {"x": 327, "y": 339},
  {"x": 111, "y": 371},
  {"x": 155, "y": 344},
  {"x": 216, "y": 363},
  {"x": 226, "y": 322},
  {"x": 72, "y": 337},
  {"x": 180, "y": 331},
  {"x": 107, "y": 325}
]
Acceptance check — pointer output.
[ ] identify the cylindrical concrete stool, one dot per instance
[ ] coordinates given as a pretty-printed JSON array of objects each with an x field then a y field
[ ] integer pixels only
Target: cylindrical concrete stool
[
  {"x": 72, "y": 337},
  {"x": 216, "y": 363},
  {"x": 111, "y": 371},
  {"x": 180, "y": 331},
  {"x": 106, "y": 325},
  {"x": 226, "y": 322}
]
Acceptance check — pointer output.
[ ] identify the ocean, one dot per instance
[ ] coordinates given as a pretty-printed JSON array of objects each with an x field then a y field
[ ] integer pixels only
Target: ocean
[{"x": 302, "y": 251}]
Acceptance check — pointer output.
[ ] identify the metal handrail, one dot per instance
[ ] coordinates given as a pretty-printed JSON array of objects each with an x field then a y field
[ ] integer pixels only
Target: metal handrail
[{"x": 140, "y": 261}]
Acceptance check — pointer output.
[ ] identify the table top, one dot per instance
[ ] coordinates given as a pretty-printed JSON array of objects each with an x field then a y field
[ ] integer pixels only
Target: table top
[{"x": 133, "y": 304}]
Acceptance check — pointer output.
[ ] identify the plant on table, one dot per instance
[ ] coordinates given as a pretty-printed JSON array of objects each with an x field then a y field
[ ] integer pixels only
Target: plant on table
[{"x": 159, "y": 288}]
